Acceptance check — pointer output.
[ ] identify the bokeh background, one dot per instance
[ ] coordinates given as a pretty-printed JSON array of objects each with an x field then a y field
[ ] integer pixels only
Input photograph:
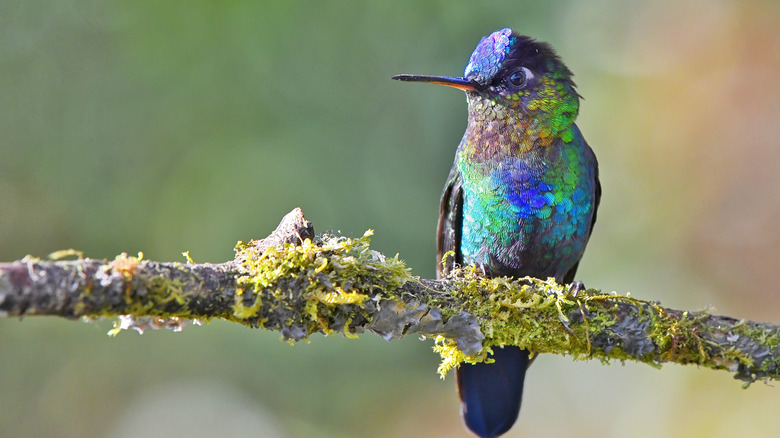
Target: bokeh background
[{"x": 188, "y": 125}]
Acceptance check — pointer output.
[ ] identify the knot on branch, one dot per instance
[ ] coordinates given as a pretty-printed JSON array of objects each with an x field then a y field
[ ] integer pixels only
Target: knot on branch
[{"x": 300, "y": 284}]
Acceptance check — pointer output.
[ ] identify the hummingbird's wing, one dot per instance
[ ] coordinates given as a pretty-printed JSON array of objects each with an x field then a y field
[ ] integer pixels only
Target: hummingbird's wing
[
  {"x": 569, "y": 277},
  {"x": 448, "y": 233}
]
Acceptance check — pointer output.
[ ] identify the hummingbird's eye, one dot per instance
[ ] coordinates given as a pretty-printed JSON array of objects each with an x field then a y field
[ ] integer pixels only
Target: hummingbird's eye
[{"x": 518, "y": 77}]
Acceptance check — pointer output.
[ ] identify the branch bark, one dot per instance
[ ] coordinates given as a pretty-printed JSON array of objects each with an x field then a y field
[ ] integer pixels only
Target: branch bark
[{"x": 299, "y": 284}]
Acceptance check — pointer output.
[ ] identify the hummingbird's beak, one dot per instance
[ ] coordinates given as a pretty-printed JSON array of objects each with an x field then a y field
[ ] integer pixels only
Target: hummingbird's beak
[{"x": 459, "y": 83}]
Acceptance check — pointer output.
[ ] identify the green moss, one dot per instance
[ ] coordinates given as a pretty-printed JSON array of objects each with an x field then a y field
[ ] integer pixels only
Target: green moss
[
  {"x": 64, "y": 253},
  {"x": 767, "y": 341},
  {"x": 334, "y": 284},
  {"x": 522, "y": 312},
  {"x": 146, "y": 295},
  {"x": 323, "y": 278},
  {"x": 546, "y": 317},
  {"x": 451, "y": 356}
]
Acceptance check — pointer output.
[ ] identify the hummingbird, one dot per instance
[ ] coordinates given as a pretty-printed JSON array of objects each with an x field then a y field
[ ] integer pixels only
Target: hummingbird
[{"x": 521, "y": 197}]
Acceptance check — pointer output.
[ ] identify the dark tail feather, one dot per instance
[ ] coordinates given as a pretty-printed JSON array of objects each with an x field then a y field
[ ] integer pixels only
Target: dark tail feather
[{"x": 491, "y": 393}]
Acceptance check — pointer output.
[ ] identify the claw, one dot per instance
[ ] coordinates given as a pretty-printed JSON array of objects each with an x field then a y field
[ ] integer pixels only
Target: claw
[
  {"x": 576, "y": 287},
  {"x": 566, "y": 327},
  {"x": 484, "y": 269}
]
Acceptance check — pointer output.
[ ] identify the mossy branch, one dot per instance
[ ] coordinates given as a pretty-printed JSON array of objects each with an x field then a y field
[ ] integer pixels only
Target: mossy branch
[{"x": 299, "y": 284}]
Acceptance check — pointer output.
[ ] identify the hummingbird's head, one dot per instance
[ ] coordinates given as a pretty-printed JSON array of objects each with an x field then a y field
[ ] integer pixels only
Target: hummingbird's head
[{"x": 519, "y": 74}]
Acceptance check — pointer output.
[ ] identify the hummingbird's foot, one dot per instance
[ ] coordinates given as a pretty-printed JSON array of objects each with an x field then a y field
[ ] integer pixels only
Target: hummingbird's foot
[
  {"x": 575, "y": 288},
  {"x": 484, "y": 269}
]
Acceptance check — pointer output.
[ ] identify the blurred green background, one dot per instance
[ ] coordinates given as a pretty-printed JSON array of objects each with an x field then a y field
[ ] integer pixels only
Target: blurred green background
[{"x": 188, "y": 125}]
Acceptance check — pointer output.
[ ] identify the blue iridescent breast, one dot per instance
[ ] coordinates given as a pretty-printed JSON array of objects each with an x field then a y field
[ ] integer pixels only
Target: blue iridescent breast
[{"x": 529, "y": 215}]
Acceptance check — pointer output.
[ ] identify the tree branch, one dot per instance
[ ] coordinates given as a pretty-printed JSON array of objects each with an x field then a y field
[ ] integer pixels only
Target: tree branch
[{"x": 299, "y": 284}]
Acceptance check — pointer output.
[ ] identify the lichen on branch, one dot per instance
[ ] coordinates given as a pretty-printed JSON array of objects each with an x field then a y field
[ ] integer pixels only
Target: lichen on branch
[
  {"x": 330, "y": 284},
  {"x": 298, "y": 284}
]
